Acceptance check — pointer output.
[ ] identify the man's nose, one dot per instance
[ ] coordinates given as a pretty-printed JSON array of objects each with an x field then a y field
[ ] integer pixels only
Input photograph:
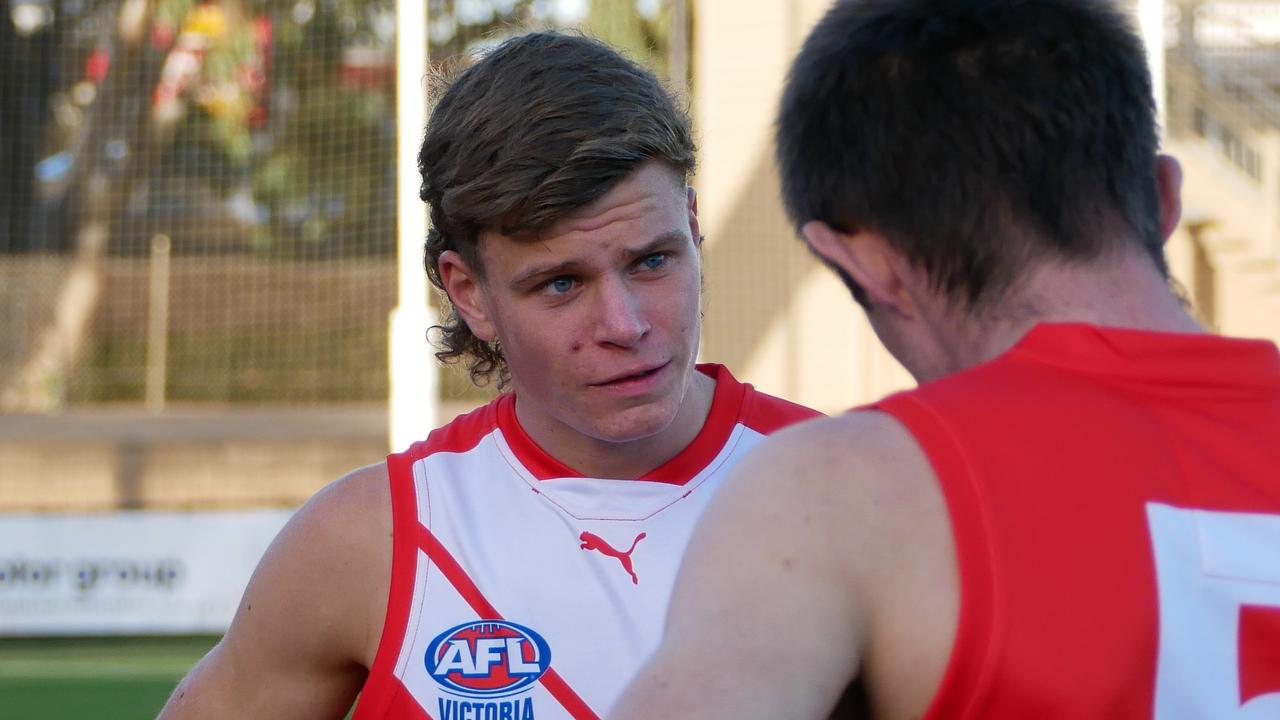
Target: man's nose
[{"x": 621, "y": 319}]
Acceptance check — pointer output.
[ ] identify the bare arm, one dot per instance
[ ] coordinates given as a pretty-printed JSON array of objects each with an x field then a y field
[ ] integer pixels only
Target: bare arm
[
  {"x": 781, "y": 599},
  {"x": 310, "y": 618}
]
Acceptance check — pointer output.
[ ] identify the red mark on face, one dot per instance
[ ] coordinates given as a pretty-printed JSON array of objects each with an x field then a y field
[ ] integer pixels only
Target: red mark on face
[{"x": 591, "y": 541}]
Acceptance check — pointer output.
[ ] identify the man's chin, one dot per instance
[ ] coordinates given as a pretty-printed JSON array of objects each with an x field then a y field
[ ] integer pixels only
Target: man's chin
[{"x": 635, "y": 424}]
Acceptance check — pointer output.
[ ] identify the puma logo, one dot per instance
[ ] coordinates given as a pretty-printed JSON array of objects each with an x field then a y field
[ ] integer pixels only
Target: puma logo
[{"x": 591, "y": 541}]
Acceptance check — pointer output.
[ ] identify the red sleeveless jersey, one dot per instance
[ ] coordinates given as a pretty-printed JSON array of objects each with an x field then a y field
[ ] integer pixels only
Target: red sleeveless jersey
[{"x": 1115, "y": 502}]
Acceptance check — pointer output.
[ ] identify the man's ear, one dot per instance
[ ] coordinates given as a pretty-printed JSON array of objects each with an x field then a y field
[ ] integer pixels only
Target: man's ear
[
  {"x": 1169, "y": 183},
  {"x": 693, "y": 216},
  {"x": 868, "y": 259},
  {"x": 467, "y": 293}
]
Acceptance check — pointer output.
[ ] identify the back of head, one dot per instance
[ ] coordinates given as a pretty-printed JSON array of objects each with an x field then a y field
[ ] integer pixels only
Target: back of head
[
  {"x": 976, "y": 136},
  {"x": 540, "y": 126}
]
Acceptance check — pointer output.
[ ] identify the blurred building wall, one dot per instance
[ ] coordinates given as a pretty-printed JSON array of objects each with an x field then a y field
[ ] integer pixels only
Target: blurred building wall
[
  {"x": 787, "y": 325},
  {"x": 1223, "y": 123},
  {"x": 773, "y": 314}
]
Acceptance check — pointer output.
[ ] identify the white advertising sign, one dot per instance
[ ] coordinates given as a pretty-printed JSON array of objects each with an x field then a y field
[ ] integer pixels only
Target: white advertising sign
[{"x": 128, "y": 572}]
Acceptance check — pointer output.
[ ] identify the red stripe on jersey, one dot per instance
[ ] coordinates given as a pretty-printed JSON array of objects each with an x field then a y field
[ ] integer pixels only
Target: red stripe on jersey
[
  {"x": 456, "y": 576},
  {"x": 561, "y": 691},
  {"x": 462, "y": 582},
  {"x": 383, "y": 686},
  {"x": 1259, "y": 651}
]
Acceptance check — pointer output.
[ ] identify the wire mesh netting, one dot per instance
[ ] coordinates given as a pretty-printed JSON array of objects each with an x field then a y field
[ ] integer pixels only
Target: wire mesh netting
[
  {"x": 223, "y": 166},
  {"x": 197, "y": 198}
]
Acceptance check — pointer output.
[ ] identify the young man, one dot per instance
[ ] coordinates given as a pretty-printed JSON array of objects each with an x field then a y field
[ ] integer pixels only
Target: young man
[
  {"x": 518, "y": 562},
  {"x": 1077, "y": 514}
]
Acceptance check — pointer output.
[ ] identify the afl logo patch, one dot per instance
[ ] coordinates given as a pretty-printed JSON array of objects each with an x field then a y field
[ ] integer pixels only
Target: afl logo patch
[{"x": 487, "y": 658}]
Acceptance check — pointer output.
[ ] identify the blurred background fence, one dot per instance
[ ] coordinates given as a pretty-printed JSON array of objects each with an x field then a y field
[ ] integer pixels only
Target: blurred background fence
[
  {"x": 197, "y": 210},
  {"x": 241, "y": 156}
]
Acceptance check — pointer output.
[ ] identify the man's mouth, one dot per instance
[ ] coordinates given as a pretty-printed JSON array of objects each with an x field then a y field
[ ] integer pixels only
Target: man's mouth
[{"x": 633, "y": 375}]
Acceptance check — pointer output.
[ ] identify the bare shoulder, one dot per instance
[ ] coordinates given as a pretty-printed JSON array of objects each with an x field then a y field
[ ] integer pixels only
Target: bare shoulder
[
  {"x": 866, "y": 475},
  {"x": 851, "y": 492},
  {"x": 856, "y": 497},
  {"x": 335, "y": 551},
  {"x": 309, "y": 622},
  {"x": 339, "y": 544},
  {"x": 869, "y": 480},
  {"x": 870, "y": 434},
  {"x": 353, "y": 511},
  {"x": 866, "y": 459}
]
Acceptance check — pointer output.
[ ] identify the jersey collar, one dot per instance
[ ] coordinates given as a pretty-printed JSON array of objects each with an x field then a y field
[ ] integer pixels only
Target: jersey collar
[
  {"x": 726, "y": 407},
  {"x": 1182, "y": 360}
]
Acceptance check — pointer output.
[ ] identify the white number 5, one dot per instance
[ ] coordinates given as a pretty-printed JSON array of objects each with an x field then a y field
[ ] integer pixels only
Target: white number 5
[{"x": 1219, "y": 593}]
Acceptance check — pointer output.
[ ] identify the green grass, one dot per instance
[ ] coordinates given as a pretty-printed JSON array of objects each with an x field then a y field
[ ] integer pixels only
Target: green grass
[{"x": 101, "y": 678}]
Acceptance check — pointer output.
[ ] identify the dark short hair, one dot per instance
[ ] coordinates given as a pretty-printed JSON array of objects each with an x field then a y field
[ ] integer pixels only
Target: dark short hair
[
  {"x": 542, "y": 125},
  {"x": 975, "y": 135}
]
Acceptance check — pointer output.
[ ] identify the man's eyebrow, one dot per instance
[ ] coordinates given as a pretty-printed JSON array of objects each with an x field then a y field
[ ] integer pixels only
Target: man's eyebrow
[
  {"x": 565, "y": 267},
  {"x": 672, "y": 237},
  {"x": 569, "y": 267}
]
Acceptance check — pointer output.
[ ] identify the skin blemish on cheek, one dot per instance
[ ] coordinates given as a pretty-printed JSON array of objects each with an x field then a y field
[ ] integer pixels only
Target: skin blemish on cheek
[{"x": 576, "y": 347}]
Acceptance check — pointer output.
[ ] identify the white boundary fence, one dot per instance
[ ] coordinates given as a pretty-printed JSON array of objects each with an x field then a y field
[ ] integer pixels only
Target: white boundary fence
[{"x": 128, "y": 572}]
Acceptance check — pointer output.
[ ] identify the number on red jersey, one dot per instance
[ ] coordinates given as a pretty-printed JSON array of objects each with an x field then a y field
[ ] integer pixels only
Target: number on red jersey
[{"x": 1219, "y": 597}]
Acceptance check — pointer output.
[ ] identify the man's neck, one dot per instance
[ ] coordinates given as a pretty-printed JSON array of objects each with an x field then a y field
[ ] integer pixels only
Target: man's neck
[
  {"x": 632, "y": 459},
  {"x": 1124, "y": 291}
]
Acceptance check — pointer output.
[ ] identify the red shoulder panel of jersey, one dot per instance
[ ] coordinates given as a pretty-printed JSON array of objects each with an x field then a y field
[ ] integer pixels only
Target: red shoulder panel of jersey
[
  {"x": 767, "y": 414},
  {"x": 734, "y": 402},
  {"x": 463, "y": 432}
]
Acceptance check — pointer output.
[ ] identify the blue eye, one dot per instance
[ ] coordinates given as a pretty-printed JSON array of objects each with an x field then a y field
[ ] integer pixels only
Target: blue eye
[
  {"x": 560, "y": 285},
  {"x": 654, "y": 261}
]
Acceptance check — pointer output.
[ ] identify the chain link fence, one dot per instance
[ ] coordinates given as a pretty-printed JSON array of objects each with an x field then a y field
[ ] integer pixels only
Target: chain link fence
[
  {"x": 205, "y": 209},
  {"x": 197, "y": 198}
]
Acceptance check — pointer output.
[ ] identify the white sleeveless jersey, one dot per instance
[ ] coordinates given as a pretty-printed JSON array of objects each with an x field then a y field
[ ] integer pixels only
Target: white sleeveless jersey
[{"x": 520, "y": 589}]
